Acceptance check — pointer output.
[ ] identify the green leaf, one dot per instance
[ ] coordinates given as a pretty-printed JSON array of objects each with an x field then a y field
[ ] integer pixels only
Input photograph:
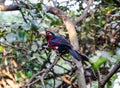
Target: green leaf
[
  {"x": 57, "y": 22},
  {"x": 11, "y": 37},
  {"x": 29, "y": 74},
  {"x": 39, "y": 5},
  {"x": 118, "y": 58},
  {"x": 34, "y": 25},
  {"x": 48, "y": 16},
  {"x": 64, "y": 8},
  {"x": 99, "y": 62},
  {"x": 1, "y": 34},
  {"x": 111, "y": 81},
  {"x": 43, "y": 56},
  {"x": 1, "y": 49},
  {"x": 34, "y": 47},
  {"x": 18, "y": 75},
  {"x": 22, "y": 37},
  {"x": 26, "y": 26}
]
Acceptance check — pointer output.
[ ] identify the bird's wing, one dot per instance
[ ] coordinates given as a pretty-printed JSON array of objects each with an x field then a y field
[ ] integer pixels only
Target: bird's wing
[{"x": 59, "y": 41}]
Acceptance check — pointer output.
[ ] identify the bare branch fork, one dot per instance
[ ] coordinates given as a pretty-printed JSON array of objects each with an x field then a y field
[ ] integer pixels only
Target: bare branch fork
[{"x": 40, "y": 75}]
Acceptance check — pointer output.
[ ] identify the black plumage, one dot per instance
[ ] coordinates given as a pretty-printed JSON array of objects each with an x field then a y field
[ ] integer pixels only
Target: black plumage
[{"x": 61, "y": 45}]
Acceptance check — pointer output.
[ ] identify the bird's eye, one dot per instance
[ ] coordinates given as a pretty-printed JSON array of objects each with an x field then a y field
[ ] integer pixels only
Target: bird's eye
[{"x": 48, "y": 33}]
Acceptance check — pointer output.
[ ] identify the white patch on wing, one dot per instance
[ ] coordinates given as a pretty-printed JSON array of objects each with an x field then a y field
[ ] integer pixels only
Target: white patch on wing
[{"x": 56, "y": 47}]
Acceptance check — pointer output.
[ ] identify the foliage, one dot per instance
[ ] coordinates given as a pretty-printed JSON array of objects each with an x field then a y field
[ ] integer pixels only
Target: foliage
[{"x": 22, "y": 54}]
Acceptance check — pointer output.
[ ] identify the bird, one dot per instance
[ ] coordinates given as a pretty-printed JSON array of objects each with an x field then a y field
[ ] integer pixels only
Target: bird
[{"x": 61, "y": 45}]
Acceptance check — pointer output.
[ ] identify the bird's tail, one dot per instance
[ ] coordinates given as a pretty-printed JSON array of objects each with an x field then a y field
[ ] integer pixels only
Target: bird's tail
[{"x": 75, "y": 54}]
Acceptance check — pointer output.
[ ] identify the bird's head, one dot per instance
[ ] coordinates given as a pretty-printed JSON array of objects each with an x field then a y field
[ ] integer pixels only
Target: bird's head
[{"x": 49, "y": 35}]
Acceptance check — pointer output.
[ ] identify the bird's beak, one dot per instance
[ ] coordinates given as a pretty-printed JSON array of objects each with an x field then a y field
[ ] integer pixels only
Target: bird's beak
[{"x": 43, "y": 33}]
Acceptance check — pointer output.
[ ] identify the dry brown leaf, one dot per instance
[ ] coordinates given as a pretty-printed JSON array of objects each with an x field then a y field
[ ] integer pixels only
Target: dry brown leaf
[
  {"x": 66, "y": 78},
  {"x": 14, "y": 63}
]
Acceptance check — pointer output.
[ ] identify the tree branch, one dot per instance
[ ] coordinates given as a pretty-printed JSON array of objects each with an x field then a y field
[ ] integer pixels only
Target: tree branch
[
  {"x": 84, "y": 14},
  {"x": 109, "y": 75},
  {"x": 40, "y": 75},
  {"x": 9, "y": 8}
]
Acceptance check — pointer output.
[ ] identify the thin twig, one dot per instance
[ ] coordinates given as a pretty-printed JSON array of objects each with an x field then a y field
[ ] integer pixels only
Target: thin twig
[
  {"x": 98, "y": 76},
  {"x": 84, "y": 14}
]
